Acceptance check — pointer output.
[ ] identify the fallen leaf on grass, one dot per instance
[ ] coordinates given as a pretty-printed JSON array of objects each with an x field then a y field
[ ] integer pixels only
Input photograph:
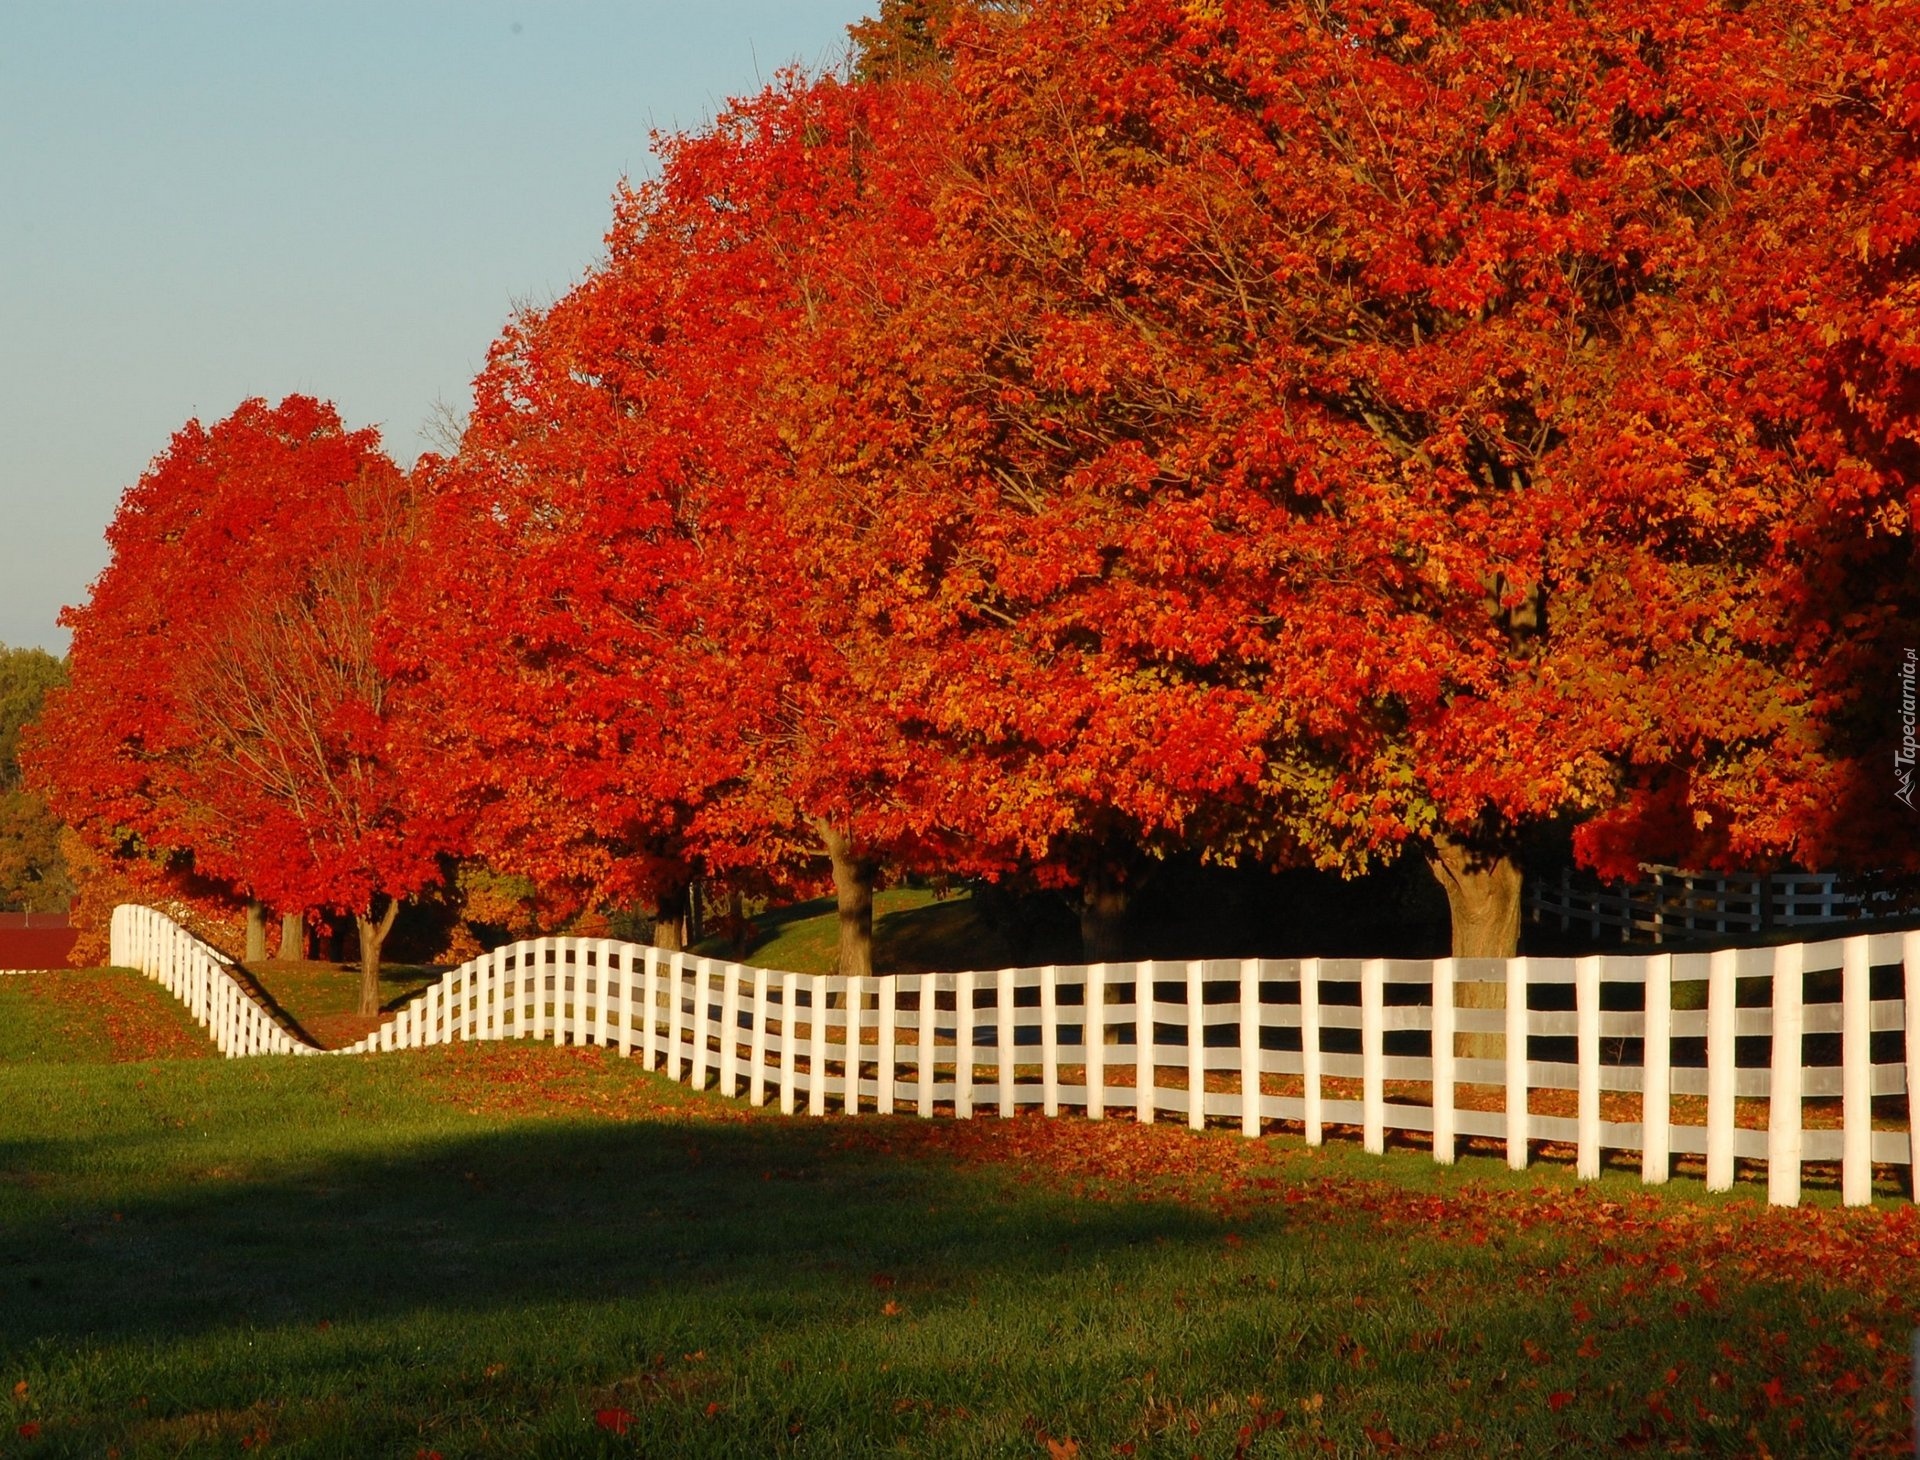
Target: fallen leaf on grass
[{"x": 615, "y": 1421}]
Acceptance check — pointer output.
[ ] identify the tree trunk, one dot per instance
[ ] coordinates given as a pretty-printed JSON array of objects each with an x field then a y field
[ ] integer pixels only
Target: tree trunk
[
  {"x": 738, "y": 929},
  {"x": 853, "y": 879},
  {"x": 256, "y": 931},
  {"x": 1103, "y": 918},
  {"x": 1483, "y": 899},
  {"x": 669, "y": 920},
  {"x": 372, "y": 935},
  {"x": 293, "y": 937}
]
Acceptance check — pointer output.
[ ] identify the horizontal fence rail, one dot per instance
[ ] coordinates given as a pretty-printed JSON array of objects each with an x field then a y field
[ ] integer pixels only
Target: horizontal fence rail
[{"x": 1715, "y": 1055}]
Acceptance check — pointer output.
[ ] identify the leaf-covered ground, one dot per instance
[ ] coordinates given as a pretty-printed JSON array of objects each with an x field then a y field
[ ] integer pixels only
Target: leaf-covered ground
[
  {"x": 93, "y": 1016},
  {"x": 507, "y": 1250}
]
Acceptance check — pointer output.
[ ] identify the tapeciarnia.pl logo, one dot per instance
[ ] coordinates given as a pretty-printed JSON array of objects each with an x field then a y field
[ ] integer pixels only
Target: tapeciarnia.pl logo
[{"x": 1903, "y": 758}]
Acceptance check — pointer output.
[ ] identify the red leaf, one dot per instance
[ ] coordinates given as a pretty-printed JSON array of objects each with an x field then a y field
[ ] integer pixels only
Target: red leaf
[{"x": 616, "y": 1421}]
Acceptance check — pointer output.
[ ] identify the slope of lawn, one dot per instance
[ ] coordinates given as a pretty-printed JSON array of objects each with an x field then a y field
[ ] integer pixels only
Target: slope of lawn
[
  {"x": 321, "y": 998},
  {"x": 510, "y": 1250},
  {"x": 94, "y": 1016}
]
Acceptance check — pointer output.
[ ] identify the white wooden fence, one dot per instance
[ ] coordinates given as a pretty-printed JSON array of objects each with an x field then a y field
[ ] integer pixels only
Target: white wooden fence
[
  {"x": 201, "y": 978},
  {"x": 1668, "y": 905},
  {"x": 1220, "y": 1040}
]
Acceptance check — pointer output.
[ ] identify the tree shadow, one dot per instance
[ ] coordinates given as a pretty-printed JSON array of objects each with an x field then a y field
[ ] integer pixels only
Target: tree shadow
[{"x": 542, "y": 1211}]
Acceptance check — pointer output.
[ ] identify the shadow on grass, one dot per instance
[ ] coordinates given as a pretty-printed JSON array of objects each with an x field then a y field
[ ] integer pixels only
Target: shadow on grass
[
  {"x": 947, "y": 936},
  {"x": 763, "y": 1286},
  {"x": 757, "y": 1212}
]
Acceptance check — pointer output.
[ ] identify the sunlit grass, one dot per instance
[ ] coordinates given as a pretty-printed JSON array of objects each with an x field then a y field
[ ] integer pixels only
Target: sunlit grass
[{"x": 510, "y": 1250}]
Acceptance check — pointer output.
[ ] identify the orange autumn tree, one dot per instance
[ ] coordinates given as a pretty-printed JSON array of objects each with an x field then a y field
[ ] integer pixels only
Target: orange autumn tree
[{"x": 228, "y": 712}]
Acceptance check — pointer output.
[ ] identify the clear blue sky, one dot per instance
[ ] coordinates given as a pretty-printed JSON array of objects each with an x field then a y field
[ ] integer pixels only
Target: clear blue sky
[{"x": 200, "y": 202}]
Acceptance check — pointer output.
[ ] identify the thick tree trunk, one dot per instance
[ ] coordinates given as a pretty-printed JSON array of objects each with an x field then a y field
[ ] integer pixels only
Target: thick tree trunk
[
  {"x": 669, "y": 920},
  {"x": 1483, "y": 899},
  {"x": 372, "y": 935},
  {"x": 1103, "y": 918},
  {"x": 293, "y": 938},
  {"x": 853, "y": 879},
  {"x": 256, "y": 931}
]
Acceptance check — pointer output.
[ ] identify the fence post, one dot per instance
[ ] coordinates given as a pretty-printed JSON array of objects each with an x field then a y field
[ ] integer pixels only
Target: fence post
[
  {"x": 1445, "y": 1128},
  {"x": 856, "y": 1015},
  {"x": 626, "y": 1001},
  {"x": 701, "y": 984},
  {"x": 1856, "y": 1075},
  {"x": 789, "y": 1038},
  {"x": 1722, "y": 1071},
  {"x": 1517, "y": 1082},
  {"x": 924, "y": 1070},
  {"x": 539, "y": 954},
  {"x": 1196, "y": 1045},
  {"x": 513, "y": 1020},
  {"x": 1093, "y": 1040},
  {"x": 488, "y": 1011},
  {"x": 570, "y": 1007},
  {"x": 883, "y": 1064},
  {"x": 603, "y": 993},
  {"x": 676, "y": 1012},
  {"x": 757, "y": 1048},
  {"x": 730, "y": 1032},
  {"x": 1003, "y": 1010},
  {"x": 1310, "y": 1047},
  {"x": 1050, "y": 1040},
  {"x": 1143, "y": 1043},
  {"x": 650, "y": 1008},
  {"x": 1656, "y": 1098},
  {"x": 817, "y": 1055},
  {"x": 1586, "y": 1002},
  {"x": 1784, "y": 1116},
  {"x": 1249, "y": 1047},
  {"x": 963, "y": 1046},
  {"x": 1373, "y": 1055},
  {"x": 1910, "y": 1019}
]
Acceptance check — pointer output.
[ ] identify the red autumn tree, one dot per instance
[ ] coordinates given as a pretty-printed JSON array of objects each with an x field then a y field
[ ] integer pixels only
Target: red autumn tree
[
  {"x": 1773, "y": 409},
  {"x": 1298, "y": 334},
  {"x": 672, "y": 677},
  {"x": 227, "y": 710}
]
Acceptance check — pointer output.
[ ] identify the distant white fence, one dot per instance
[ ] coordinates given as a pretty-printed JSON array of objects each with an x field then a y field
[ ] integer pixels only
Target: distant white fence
[
  {"x": 1221, "y": 1040},
  {"x": 1668, "y": 905}
]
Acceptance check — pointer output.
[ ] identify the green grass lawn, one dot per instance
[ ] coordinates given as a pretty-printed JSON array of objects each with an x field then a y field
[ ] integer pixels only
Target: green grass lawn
[{"x": 510, "y": 1250}]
